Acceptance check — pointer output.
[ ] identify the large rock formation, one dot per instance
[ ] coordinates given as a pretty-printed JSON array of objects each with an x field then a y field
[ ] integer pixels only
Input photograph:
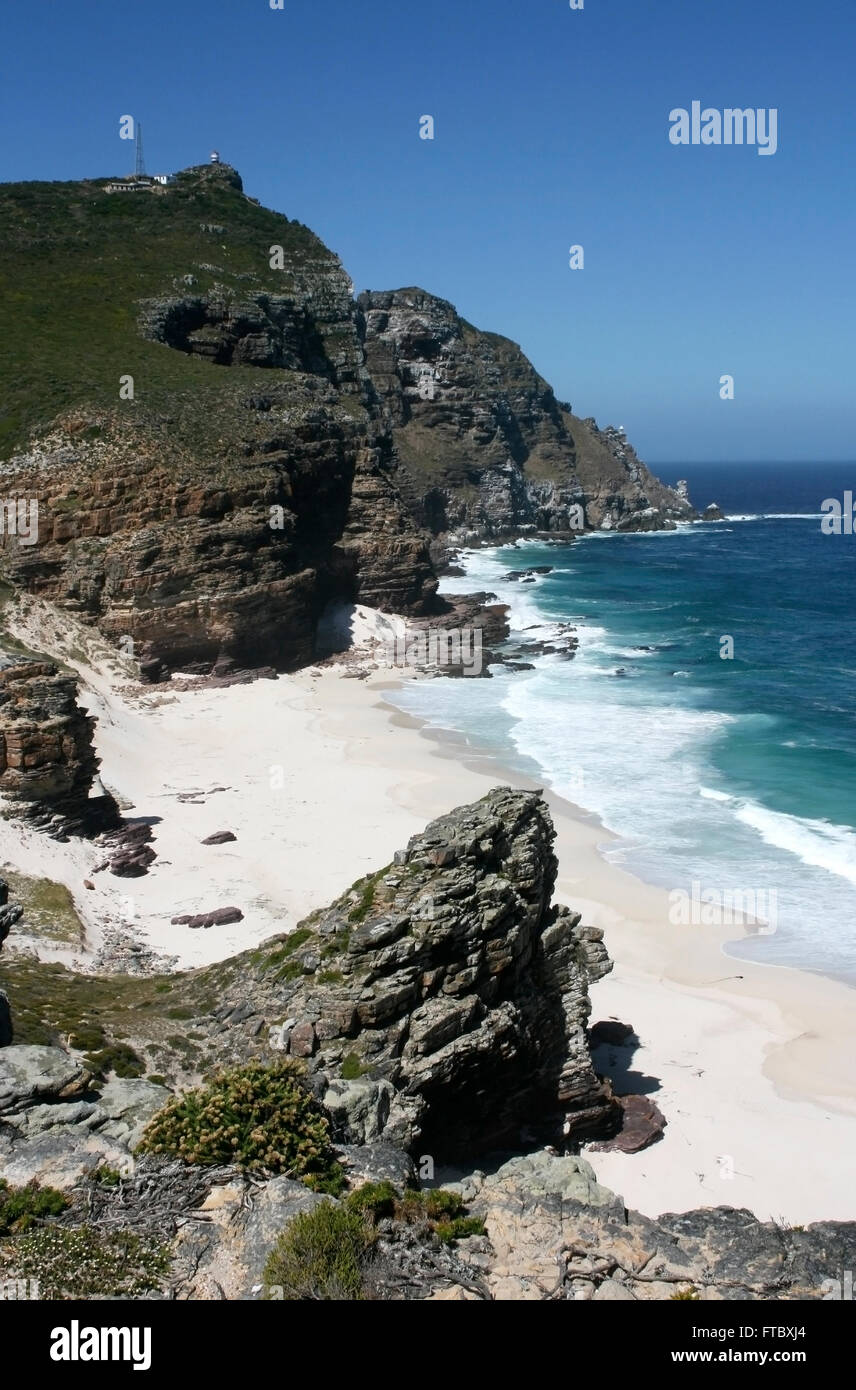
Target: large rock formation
[
  {"x": 486, "y": 450},
  {"x": 10, "y": 913},
  {"x": 205, "y": 517},
  {"x": 443, "y": 1002},
  {"x": 47, "y": 759},
  {"x": 234, "y": 442}
]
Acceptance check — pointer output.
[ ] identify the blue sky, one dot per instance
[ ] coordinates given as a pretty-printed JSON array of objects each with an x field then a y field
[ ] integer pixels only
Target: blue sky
[{"x": 551, "y": 129}]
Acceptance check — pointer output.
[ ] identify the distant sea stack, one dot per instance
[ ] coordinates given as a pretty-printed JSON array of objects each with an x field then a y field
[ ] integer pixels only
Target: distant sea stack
[{"x": 222, "y": 440}]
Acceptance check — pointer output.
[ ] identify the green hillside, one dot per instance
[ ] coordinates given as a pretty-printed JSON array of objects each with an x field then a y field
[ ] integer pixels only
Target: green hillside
[{"x": 76, "y": 263}]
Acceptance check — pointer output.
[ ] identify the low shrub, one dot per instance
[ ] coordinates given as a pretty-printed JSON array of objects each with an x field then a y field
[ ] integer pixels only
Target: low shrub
[
  {"x": 322, "y": 1255},
  {"x": 351, "y": 1067},
  {"x": 377, "y": 1199},
  {"x": 119, "y": 1058},
  {"x": 258, "y": 1116},
  {"x": 20, "y": 1207},
  {"x": 442, "y": 1212},
  {"x": 463, "y": 1226}
]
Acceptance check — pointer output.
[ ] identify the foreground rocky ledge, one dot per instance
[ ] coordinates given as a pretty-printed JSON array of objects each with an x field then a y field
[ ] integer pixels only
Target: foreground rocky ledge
[
  {"x": 439, "y": 1010},
  {"x": 440, "y": 1003}
]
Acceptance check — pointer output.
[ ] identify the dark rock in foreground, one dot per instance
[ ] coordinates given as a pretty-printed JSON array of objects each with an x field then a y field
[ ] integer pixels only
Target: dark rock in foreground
[
  {"x": 642, "y": 1124},
  {"x": 441, "y": 1003},
  {"x": 10, "y": 913}
]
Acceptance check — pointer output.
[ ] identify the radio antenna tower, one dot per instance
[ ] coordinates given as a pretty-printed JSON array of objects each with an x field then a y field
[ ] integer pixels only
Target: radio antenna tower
[{"x": 140, "y": 164}]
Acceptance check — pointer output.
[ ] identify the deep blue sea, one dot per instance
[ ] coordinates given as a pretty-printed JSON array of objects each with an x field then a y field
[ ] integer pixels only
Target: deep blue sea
[{"x": 738, "y": 775}]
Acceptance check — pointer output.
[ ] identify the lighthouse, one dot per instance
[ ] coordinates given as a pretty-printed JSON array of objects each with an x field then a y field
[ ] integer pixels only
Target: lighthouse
[{"x": 215, "y": 156}]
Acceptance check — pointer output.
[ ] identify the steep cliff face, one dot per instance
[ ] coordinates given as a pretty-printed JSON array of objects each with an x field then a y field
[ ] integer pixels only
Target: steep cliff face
[
  {"x": 47, "y": 759},
  {"x": 485, "y": 448},
  {"x": 218, "y": 473},
  {"x": 219, "y": 440},
  {"x": 10, "y": 913},
  {"x": 211, "y": 565},
  {"x": 441, "y": 1002}
]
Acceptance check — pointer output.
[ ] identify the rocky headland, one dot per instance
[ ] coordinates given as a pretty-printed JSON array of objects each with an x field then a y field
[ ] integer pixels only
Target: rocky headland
[{"x": 267, "y": 443}]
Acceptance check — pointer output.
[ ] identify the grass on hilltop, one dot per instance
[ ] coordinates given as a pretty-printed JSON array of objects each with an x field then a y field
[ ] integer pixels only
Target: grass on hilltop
[{"x": 76, "y": 263}]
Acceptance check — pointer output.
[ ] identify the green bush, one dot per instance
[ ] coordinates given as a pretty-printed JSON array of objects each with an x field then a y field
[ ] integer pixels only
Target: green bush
[
  {"x": 441, "y": 1211},
  {"x": 21, "y": 1206},
  {"x": 118, "y": 1058},
  {"x": 86, "y": 1037},
  {"x": 323, "y": 1254},
  {"x": 260, "y": 1117},
  {"x": 450, "y": 1231},
  {"x": 351, "y": 1067},
  {"x": 106, "y": 1176},
  {"x": 439, "y": 1203},
  {"x": 376, "y": 1199},
  {"x": 332, "y": 1182}
]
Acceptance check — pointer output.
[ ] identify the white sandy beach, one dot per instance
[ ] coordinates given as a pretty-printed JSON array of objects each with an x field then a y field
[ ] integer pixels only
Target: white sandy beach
[{"x": 321, "y": 781}]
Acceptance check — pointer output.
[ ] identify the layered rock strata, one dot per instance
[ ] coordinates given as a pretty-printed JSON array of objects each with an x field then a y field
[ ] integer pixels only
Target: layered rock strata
[
  {"x": 48, "y": 762},
  {"x": 443, "y": 1002}
]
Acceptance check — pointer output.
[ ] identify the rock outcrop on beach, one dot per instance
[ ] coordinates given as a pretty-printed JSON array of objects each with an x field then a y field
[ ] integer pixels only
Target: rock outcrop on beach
[
  {"x": 222, "y": 440},
  {"x": 443, "y": 1002},
  {"x": 48, "y": 762}
]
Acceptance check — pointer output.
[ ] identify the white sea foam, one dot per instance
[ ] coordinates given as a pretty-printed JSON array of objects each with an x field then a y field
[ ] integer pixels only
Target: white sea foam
[
  {"x": 816, "y": 842},
  {"x": 709, "y": 794},
  {"x": 774, "y": 516},
  {"x": 643, "y": 762}
]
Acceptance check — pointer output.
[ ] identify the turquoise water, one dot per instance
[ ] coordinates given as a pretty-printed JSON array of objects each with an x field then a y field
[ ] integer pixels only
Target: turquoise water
[{"x": 738, "y": 774}]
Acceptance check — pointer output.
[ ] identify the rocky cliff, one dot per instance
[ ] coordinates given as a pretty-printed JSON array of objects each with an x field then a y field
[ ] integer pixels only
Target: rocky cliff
[
  {"x": 442, "y": 1002},
  {"x": 47, "y": 759},
  {"x": 216, "y": 473},
  {"x": 220, "y": 440},
  {"x": 485, "y": 449}
]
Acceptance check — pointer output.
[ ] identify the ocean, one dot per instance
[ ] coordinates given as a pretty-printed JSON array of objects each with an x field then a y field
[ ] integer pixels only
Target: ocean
[{"x": 726, "y": 769}]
